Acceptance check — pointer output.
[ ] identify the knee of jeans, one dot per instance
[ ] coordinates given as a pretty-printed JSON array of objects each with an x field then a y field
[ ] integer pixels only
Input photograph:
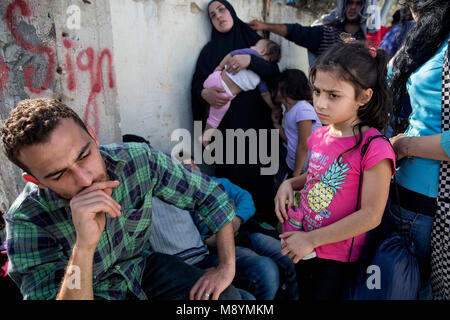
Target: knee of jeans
[
  {"x": 245, "y": 252},
  {"x": 230, "y": 293},
  {"x": 245, "y": 295},
  {"x": 266, "y": 271}
]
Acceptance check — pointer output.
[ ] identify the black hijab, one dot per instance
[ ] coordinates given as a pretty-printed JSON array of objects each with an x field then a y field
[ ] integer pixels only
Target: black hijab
[
  {"x": 247, "y": 110},
  {"x": 240, "y": 36}
]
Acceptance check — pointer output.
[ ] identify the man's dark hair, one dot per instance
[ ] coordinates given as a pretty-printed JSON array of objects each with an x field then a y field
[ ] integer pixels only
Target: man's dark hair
[
  {"x": 134, "y": 138},
  {"x": 31, "y": 122}
]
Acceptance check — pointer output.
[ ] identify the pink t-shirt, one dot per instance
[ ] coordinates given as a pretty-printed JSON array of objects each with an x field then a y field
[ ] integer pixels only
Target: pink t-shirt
[{"x": 331, "y": 188}]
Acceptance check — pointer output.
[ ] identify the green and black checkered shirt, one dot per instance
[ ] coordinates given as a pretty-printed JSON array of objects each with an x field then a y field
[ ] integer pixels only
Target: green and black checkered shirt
[{"x": 41, "y": 235}]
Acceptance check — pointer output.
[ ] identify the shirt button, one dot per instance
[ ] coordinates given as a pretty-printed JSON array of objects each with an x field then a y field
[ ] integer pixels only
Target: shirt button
[{"x": 118, "y": 267}]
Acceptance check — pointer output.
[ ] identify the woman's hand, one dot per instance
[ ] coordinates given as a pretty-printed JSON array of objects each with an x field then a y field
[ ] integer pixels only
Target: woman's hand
[
  {"x": 400, "y": 143},
  {"x": 296, "y": 245},
  {"x": 285, "y": 192},
  {"x": 238, "y": 63},
  {"x": 214, "y": 96}
]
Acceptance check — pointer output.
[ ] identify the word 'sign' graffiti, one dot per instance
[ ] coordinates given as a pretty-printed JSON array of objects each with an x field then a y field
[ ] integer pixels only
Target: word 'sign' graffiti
[{"x": 87, "y": 60}]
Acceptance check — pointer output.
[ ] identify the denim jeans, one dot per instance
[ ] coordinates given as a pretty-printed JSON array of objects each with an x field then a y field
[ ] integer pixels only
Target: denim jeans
[
  {"x": 268, "y": 246},
  {"x": 246, "y": 295},
  {"x": 168, "y": 277},
  {"x": 254, "y": 273},
  {"x": 418, "y": 228}
]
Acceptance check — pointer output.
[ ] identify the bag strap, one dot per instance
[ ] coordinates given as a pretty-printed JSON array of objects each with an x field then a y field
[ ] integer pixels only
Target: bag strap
[{"x": 363, "y": 152}]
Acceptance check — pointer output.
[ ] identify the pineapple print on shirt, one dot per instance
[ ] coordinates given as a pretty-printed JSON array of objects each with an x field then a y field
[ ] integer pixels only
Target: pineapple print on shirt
[{"x": 322, "y": 193}]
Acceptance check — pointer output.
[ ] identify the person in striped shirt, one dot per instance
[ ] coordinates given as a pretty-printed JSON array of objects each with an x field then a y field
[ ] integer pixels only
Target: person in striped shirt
[{"x": 317, "y": 39}]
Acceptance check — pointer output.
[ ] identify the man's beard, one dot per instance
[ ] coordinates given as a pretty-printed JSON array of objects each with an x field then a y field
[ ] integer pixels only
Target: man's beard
[{"x": 101, "y": 178}]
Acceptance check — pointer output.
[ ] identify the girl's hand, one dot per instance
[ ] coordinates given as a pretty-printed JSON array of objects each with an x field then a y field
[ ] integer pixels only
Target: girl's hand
[
  {"x": 238, "y": 63},
  {"x": 296, "y": 245},
  {"x": 276, "y": 115},
  {"x": 285, "y": 192},
  {"x": 400, "y": 143},
  {"x": 214, "y": 97}
]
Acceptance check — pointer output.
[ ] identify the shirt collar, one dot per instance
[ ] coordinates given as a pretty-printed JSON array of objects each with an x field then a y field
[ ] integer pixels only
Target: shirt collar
[{"x": 114, "y": 163}]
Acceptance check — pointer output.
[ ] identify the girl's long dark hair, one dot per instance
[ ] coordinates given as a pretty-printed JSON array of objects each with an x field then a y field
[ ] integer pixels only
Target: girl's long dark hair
[
  {"x": 420, "y": 44},
  {"x": 355, "y": 63}
]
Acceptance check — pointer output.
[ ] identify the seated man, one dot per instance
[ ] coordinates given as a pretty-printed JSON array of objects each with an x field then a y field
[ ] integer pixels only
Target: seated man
[
  {"x": 174, "y": 232},
  {"x": 250, "y": 238},
  {"x": 80, "y": 229}
]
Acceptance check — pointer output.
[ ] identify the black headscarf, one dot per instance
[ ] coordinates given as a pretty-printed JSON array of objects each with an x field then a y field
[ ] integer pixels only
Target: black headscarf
[
  {"x": 246, "y": 111},
  {"x": 240, "y": 36}
]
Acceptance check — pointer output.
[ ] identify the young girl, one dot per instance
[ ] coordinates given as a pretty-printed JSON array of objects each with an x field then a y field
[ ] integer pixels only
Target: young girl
[
  {"x": 237, "y": 81},
  {"x": 292, "y": 90},
  {"x": 351, "y": 98}
]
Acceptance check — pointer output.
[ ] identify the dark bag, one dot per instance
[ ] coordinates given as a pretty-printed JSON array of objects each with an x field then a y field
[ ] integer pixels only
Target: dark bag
[
  {"x": 389, "y": 271},
  {"x": 391, "y": 274}
]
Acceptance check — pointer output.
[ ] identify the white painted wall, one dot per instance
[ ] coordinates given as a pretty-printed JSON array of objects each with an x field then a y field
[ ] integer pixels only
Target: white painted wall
[
  {"x": 94, "y": 33},
  {"x": 156, "y": 45},
  {"x": 292, "y": 55}
]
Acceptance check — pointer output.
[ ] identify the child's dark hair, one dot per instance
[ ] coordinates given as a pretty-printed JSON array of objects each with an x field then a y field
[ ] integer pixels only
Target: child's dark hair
[
  {"x": 364, "y": 68},
  {"x": 273, "y": 51},
  {"x": 293, "y": 84}
]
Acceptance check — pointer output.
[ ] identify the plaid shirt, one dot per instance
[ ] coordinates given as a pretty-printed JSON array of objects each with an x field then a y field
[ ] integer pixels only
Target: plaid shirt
[{"x": 41, "y": 234}]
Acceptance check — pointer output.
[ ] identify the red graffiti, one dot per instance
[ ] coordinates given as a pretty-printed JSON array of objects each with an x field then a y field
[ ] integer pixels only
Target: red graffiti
[
  {"x": 4, "y": 73},
  {"x": 86, "y": 61},
  {"x": 71, "y": 83},
  {"x": 29, "y": 70}
]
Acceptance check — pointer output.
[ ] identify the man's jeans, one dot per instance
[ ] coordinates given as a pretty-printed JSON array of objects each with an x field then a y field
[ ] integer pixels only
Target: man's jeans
[
  {"x": 168, "y": 277},
  {"x": 254, "y": 273},
  {"x": 268, "y": 246},
  {"x": 418, "y": 228}
]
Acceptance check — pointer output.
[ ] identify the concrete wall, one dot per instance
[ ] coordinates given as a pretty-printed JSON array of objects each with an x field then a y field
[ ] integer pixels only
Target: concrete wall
[
  {"x": 143, "y": 50},
  {"x": 156, "y": 45},
  {"x": 43, "y": 53}
]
